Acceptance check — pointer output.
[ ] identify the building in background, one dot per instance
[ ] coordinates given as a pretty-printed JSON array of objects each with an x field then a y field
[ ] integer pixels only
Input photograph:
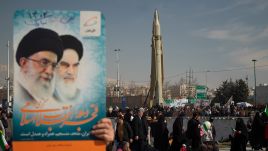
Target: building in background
[{"x": 262, "y": 94}]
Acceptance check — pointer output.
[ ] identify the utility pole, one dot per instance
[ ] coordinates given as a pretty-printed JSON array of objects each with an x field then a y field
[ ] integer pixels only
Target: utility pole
[
  {"x": 8, "y": 78},
  {"x": 247, "y": 80},
  {"x": 117, "y": 87},
  {"x": 207, "y": 78},
  {"x": 207, "y": 83},
  {"x": 187, "y": 82},
  {"x": 255, "y": 93},
  {"x": 190, "y": 76}
]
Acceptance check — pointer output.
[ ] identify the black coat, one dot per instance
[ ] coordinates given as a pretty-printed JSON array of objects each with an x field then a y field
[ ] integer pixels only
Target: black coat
[
  {"x": 161, "y": 141},
  {"x": 137, "y": 145},
  {"x": 240, "y": 138},
  {"x": 127, "y": 117},
  {"x": 256, "y": 134},
  {"x": 193, "y": 132},
  {"x": 137, "y": 127},
  {"x": 177, "y": 134},
  {"x": 145, "y": 126}
]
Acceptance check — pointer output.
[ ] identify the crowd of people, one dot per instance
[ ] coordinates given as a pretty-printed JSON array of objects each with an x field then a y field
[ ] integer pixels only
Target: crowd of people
[
  {"x": 142, "y": 129},
  {"x": 214, "y": 111}
]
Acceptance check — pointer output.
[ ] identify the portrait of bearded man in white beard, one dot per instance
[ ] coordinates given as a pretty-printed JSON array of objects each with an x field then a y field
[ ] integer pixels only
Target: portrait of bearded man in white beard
[
  {"x": 40, "y": 83},
  {"x": 37, "y": 55},
  {"x": 66, "y": 90}
]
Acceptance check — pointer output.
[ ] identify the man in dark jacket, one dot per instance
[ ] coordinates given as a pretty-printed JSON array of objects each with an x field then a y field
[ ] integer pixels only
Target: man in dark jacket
[
  {"x": 193, "y": 132},
  {"x": 138, "y": 144},
  {"x": 128, "y": 117}
]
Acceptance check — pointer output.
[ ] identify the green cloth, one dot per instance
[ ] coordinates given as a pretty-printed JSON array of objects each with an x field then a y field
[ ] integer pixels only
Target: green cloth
[
  {"x": 205, "y": 127},
  {"x": 2, "y": 144},
  {"x": 168, "y": 101},
  {"x": 266, "y": 110}
]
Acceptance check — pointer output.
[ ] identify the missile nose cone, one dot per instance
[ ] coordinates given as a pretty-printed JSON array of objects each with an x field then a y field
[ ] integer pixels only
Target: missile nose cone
[
  {"x": 155, "y": 13},
  {"x": 156, "y": 17},
  {"x": 156, "y": 24}
]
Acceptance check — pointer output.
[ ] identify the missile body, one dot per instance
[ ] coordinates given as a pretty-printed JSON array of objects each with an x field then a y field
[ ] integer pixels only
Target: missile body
[{"x": 156, "y": 86}]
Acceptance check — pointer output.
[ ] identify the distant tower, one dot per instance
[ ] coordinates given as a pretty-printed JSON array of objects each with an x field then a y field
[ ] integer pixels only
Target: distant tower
[
  {"x": 189, "y": 82},
  {"x": 247, "y": 80},
  {"x": 157, "y": 73}
]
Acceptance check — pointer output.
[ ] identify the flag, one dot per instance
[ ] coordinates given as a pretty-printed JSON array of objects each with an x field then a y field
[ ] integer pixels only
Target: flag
[
  {"x": 266, "y": 110},
  {"x": 229, "y": 102},
  {"x": 3, "y": 143},
  {"x": 206, "y": 125}
]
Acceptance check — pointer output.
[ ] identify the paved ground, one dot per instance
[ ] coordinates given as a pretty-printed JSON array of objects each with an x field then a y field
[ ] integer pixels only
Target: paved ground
[{"x": 226, "y": 147}]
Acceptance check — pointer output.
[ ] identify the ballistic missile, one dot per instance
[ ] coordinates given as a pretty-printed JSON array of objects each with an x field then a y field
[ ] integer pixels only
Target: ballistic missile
[{"x": 157, "y": 76}]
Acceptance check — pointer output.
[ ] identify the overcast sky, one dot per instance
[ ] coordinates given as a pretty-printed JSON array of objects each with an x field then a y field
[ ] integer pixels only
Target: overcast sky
[{"x": 210, "y": 35}]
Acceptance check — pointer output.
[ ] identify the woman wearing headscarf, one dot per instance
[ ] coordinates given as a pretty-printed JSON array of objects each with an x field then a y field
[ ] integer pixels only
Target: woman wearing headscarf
[
  {"x": 256, "y": 132},
  {"x": 178, "y": 138},
  {"x": 265, "y": 134},
  {"x": 240, "y": 138},
  {"x": 161, "y": 139}
]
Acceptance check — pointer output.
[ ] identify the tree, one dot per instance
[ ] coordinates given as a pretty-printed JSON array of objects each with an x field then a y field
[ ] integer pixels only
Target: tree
[
  {"x": 241, "y": 91},
  {"x": 225, "y": 91},
  {"x": 238, "y": 89}
]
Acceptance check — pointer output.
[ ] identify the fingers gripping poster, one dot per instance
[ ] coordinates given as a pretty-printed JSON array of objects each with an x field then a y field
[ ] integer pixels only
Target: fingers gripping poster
[{"x": 59, "y": 79}]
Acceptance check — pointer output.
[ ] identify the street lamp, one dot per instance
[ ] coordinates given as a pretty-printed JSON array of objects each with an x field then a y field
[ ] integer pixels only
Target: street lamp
[
  {"x": 8, "y": 78},
  {"x": 255, "y": 94},
  {"x": 206, "y": 78},
  {"x": 117, "y": 85},
  {"x": 206, "y": 83}
]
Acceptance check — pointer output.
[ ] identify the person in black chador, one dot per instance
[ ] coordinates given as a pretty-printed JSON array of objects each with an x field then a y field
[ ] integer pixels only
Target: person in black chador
[
  {"x": 161, "y": 138},
  {"x": 265, "y": 134},
  {"x": 178, "y": 134},
  {"x": 257, "y": 131},
  {"x": 193, "y": 132},
  {"x": 240, "y": 136}
]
